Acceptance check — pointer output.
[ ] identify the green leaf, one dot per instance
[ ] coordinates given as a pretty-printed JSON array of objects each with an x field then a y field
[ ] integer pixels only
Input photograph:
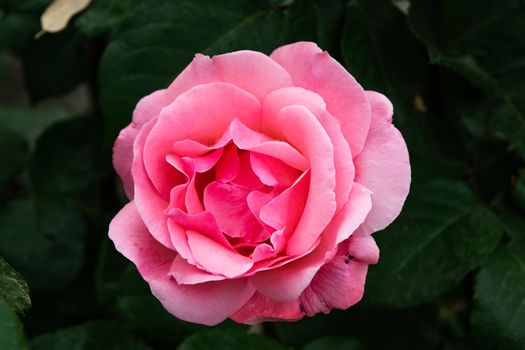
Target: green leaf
[
  {"x": 94, "y": 335},
  {"x": 42, "y": 237},
  {"x": 17, "y": 30},
  {"x": 29, "y": 122},
  {"x": 513, "y": 223},
  {"x": 161, "y": 38},
  {"x": 384, "y": 56},
  {"x": 138, "y": 311},
  {"x": 116, "y": 276},
  {"x": 55, "y": 64},
  {"x": 381, "y": 52},
  {"x": 11, "y": 332},
  {"x": 499, "y": 309},
  {"x": 315, "y": 20},
  {"x": 226, "y": 340},
  {"x": 363, "y": 325},
  {"x": 26, "y": 5},
  {"x": 103, "y": 16},
  {"x": 14, "y": 153},
  {"x": 334, "y": 343},
  {"x": 67, "y": 158},
  {"x": 484, "y": 43},
  {"x": 13, "y": 287},
  {"x": 443, "y": 233}
]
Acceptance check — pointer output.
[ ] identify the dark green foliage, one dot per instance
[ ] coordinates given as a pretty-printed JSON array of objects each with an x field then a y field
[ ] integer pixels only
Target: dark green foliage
[
  {"x": 334, "y": 343},
  {"x": 11, "y": 333},
  {"x": 499, "y": 314},
  {"x": 42, "y": 236},
  {"x": 54, "y": 64},
  {"x": 452, "y": 268},
  {"x": 443, "y": 233},
  {"x": 161, "y": 38},
  {"x": 228, "y": 340},
  {"x": 94, "y": 335}
]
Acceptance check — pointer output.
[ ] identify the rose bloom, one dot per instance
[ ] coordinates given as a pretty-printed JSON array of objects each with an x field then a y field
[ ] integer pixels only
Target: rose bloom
[{"x": 255, "y": 183}]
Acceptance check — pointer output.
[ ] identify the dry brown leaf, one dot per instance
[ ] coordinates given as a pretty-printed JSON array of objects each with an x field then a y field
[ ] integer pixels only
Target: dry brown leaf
[{"x": 57, "y": 15}]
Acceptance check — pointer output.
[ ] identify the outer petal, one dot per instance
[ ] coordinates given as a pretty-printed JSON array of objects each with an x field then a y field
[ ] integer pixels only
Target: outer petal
[
  {"x": 260, "y": 309},
  {"x": 194, "y": 303},
  {"x": 315, "y": 70},
  {"x": 247, "y": 69},
  {"x": 147, "y": 108},
  {"x": 148, "y": 202},
  {"x": 340, "y": 283},
  {"x": 133, "y": 240},
  {"x": 383, "y": 166}
]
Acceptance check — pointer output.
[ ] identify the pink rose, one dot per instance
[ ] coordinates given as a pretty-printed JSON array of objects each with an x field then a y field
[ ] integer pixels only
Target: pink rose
[{"x": 255, "y": 183}]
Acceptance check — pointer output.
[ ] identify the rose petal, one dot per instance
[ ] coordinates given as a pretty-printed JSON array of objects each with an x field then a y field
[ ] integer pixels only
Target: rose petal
[
  {"x": 215, "y": 258},
  {"x": 341, "y": 282},
  {"x": 228, "y": 203},
  {"x": 192, "y": 148},
  {"x": 148, "y": 202},
  {"x": 132, "y": 239},
  {"x": 338, "y": 284},
  {"x": 185, "y": 273},
  {"x": 123, "y": 157},
  {"x": 204, "y": 163},
  {"x": 285, "y": 209},
  {"x": 189, "y": 118},
  {"x": 247, "y": 69},
  {"x": 198, "y": 303},
  {"x": 228, "y": 166},
  {"x": 263, "y": 251},
  {"x": 256, "y": 200},
  {"x": 306, "y": 134},
  {"x": 147, "y": 108},
  {"x": 289, "y": 281},
  {"x": 383, "y": 166},
  {"x": 284, "y": 97},
  {"x": 271, "y": 171},
  {"x": 204, "y": 223},
  {"x": 315, "y": 70},
  {"x": 251, "y": 140},
  {"x": 263, "y": 309},
  {"x": 246, "y": 177}
]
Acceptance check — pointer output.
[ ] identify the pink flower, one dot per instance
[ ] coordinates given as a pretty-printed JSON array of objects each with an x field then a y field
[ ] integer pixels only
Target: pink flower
[{"x": 255, "y": 183}]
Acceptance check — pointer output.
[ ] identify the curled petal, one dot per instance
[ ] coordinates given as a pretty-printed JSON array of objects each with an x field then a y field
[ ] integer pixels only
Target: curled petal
[
  {"x": 383, "y": 166},
  {"x": 189, "y": 118},
  {"x": 147, "y": 108},
  {"x": 345, "y": 99},
  {"x": 263, "y": 309},
  {"x": 340, "y": 283},
  {"x": 289, "y": 281},
  {"x": 307, "y": 135},
  {"x": 247, "y": 69},
  {"x": 289, "y": 96},
  {"x": 215, "y": 258}
]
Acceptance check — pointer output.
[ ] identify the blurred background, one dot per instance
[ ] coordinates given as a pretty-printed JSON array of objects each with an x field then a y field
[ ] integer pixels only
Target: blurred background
[{"x": 452, "y": 268}]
